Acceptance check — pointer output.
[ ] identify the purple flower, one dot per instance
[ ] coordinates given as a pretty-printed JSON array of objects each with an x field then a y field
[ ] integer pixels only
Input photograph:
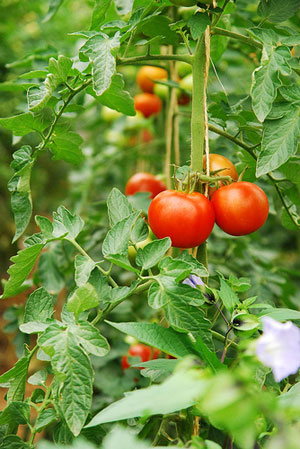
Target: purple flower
[
  {"x": 193, "y": 281},
  {"x": 279, "y": 347}
]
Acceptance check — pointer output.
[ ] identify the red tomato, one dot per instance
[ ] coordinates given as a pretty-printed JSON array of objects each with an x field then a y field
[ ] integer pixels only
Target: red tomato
[
  {"x": 144, "y": 182},
  {"x": 240, "y": 208},
  {"x": 147, "y": 74},
  {"x": 144, "y": 352},
  {"x": 184, "y": 99},
  {"x": 187, "y": 218},
  {"x": 147, "y": 104}
]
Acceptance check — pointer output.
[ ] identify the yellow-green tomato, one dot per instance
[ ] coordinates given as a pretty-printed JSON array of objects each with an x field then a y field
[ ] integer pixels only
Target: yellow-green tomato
[
  {"x": 161, "y": 90},
  {"x": 187, "y": 83},
  {"x": 132, "y": 251},
  {"x": 135, "y": 122},
  {"x": 109, "y": 115},
  {"x": 183, "y": 69}
]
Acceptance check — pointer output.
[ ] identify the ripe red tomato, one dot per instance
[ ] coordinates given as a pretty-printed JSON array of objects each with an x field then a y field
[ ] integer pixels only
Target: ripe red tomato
[
  {"x": 144, "y": 182},
  {"x": 187, "y": 218},
  {"x": 147, "y": 74},
  {"x": 147, "y": 104},
  {"x": 240, "y": 208},
  {"x": 144, "y": 352},
  {"x": 216, "y": 162},
  {"x": 184, "y": 99}
]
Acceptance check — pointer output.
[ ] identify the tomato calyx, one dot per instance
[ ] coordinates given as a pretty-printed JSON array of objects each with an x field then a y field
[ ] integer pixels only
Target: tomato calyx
[{"x": 188, "y": 181}]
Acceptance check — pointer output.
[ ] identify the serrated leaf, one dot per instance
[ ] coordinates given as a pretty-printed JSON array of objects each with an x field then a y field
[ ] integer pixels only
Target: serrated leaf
[
  {"x": 50, "y": 273},
  {"x": 165, "y": 339},
  {"x": 178, "y": 392},
  {"x": 66, "y": 224},
  {"x": 17, "y": 412},
  {"x": 115, "y": 97},
  {"x": 83, "y": 298},
  {"x": 83, "y": 268},
  {"x": 291, "y": 93},
  {"x": 19, "y": 186},
  {"x": 139, "y": 231},
  {"x": 14, "y": 442},
  {"x": 47, "y": 416},
  {"x": 159, "y": 26},
  {"x": 208, "y": 356},
  {"x": 66, "y": 147},
  {"x": 279, "y": 142},
  {"x": 276, "y": 11},
  {"x": 73, "y": 370},
  {"x": 23, "y": 264},
  {"x": 39, "y": 306},
  {"x": 99, "y": 50},
  {"x": 100, "y": 10},
  {"x": 90, "y": 339},
  {"x": 198, "y": 24},
  {"x": 22, "y": 124},
  {"x": 117, "y": 239},
  {"x": 150, "y": 255},
  {"x": 118, "y": 206},
  {"x": 228, "y": 296}
]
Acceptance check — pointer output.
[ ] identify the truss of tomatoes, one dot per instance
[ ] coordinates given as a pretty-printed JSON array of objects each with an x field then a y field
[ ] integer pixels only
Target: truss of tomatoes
[{"x": 188, "y": 219}]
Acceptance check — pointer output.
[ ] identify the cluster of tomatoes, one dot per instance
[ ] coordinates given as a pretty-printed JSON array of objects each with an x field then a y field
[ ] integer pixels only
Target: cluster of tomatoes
[
  {"x": 239, "y": 208},
  {"x": 149, "y": 102},
  {"x": 141, "y": 351}
]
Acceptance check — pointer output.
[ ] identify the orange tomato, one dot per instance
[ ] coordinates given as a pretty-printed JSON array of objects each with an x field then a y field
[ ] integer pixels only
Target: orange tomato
[
  {"x": 147, "y": 75},
  {"x": 147, "y": 104},
  {"x": 218, "y": 162}
]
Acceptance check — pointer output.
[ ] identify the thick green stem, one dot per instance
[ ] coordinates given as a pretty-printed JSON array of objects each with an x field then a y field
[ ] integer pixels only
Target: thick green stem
[{"x": 198, "y": 105}]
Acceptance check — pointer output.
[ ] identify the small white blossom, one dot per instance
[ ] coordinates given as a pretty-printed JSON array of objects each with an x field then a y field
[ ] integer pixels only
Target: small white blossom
[{"x": 279, "y": 347}]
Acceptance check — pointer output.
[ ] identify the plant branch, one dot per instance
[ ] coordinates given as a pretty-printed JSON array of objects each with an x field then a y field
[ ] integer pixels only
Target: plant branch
[
  {"x": 240, "y": 37},
  {"x": 148, "y": 58}
]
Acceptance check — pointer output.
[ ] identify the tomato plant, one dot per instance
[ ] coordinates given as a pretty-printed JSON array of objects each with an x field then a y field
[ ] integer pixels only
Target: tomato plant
[
  {"x": 171, "y": 209},
  {"x": 87, "y": 278},
  {"x": 240, "y": 208}
]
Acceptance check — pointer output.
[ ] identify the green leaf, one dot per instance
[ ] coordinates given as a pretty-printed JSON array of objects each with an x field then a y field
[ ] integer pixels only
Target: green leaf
[
  {"x": 19, "y": 186},
  {"x": 291, "y": 399},
  {"x": 291, "y": 93},
  {"x": 198, "y": 23},
  {"x": 279, "y": 142},
  {"x": 39, "y": 306},
  {"x": 118, "y": 206},
  {"x": 139, "y": 231},
  {"x": 129, "y": 440},
  {"x": 18, "y": 412},
  {"x": 83, "y": 298},
  {"x": 277, "y": 11},
  {"x": 16, "y": 378},
  {"x": 23, "y": 124},
  {"x": 185, "y": 318},
  {"x": 66, "y": 224},
  {"x": 66, "y": 146},
  {"x": 265, "y": 80},
  {"x": 23, "y": 264},
  {"x": 83, "y": 268},
  {"x": 208, "y": 356},
  {"x": 99, "y": 49},
  {"x": 228, "y": 296},
  {"x": 280, "y": 314},
  {"x": 14, "y": 442},
  {"x": 54, "y": 5},
  {"x": 197, "y": 268},
  {"x": 49, "y": 272},
  {"x": 38, "y": 378},
  {"x": 178, "y": 392},
  {"x": 90, "y": 339},
  {"x": 47, "y": 416},
  {"x": 117, "y": 239},
  {"x": 150, "y": 255},
  {"x": 159, "y": 26},
  {"x": 73, "y": 370},
  {"x": 165, "y": 339},
  {"x": 115, "y": 97},
  {"x": 100, "y": 10}
]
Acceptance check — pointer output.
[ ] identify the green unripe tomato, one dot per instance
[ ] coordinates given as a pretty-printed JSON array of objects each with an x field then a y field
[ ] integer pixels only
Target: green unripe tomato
[
  {"x": 183, "y": 69},
  {"x": 110, "y": 115},
  {"x": 187, "y": 83},
  {"x": 132, "y": 251},
  {"x": 135, "y": 122},
  {"x": 184, "y": 2},
  {"x": 161, "y": 90}
]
